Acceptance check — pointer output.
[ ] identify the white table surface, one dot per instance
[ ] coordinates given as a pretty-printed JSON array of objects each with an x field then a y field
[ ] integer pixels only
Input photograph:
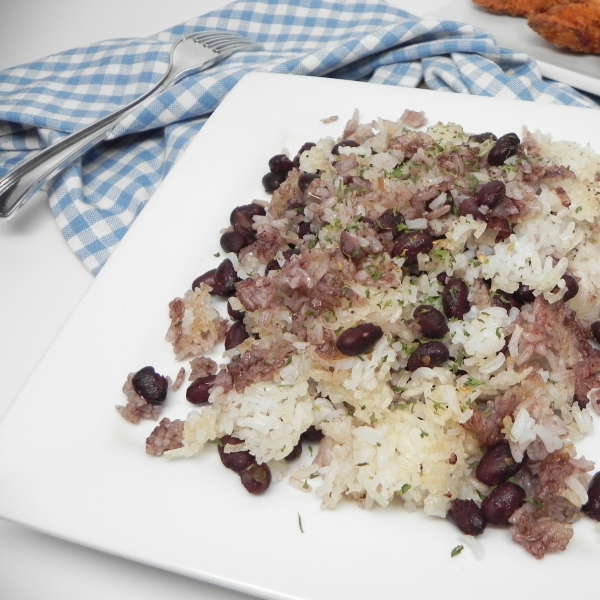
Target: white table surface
[{"x": 41, "y": 281}]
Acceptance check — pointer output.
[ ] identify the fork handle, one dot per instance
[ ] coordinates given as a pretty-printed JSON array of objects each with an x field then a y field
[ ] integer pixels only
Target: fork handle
[{"x": 22, "y": 182}]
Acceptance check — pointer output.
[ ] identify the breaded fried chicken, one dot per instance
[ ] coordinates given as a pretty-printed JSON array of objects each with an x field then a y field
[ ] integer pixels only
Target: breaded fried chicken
[
  {"x": 575, "y": 26},
  {"x": 522, "y": 8}
]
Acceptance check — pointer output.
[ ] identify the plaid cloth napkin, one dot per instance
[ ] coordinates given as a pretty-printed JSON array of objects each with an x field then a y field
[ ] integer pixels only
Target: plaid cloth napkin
[{"x": 96, "y": 199}]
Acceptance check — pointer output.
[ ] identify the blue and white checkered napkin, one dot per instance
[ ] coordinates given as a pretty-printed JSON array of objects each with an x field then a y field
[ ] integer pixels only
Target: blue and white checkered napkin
[{"x": 96, "y": 200}]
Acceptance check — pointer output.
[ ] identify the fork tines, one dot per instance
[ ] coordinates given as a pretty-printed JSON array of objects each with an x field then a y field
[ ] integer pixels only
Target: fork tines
[{"x": 224, "y": 41}]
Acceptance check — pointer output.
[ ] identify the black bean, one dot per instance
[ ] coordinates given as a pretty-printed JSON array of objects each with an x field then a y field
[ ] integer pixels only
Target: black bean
[
  {"x": 502, "y": 502},
  {"x": 481, "y": 137},
  {"x": 236, "y": 461},
  {"x": 235, "y": 315},
  {"x": 225, "y": 278},
  {"x": 199, "y": 390},
  {"x": 391, "y": 220},
  {"x": 409, "y": 245},
  {"x": 150, "y": 385},
  {"x": 524, "y": 294},
  {"x": 368, "y": 222},
  {"x": 505, "y": 147},
  {"x": 432, "y": 322},
  {"x": 295, "y": 453},
  {"x": 208, "y": 278},
  {"x": 305, "y": 180},
  {"x": 592, "y": 507},
  {"x": 304, "y": 229},
  {"x": 347, "y": 143},
  {"x": 442, "y": 278},
  {"x": 504, "y": 300},
  {"x": 235, "y": 335},
  {"x": 595, "y": 329},
  {"x": 467, "y": 516},
  {"x": 572, "y": 287},
  {"x": 502, "y": 226},
  {"x": 232, "y": 241},
  {"x": 490, "y": 194},
  {"x": 250, "y": 210},
  {"x": 256, "y": 478},
  {"x": 470, "y": 206},
  {"x": 431, "y": 354},
  {"x": 306, "y": 146},
  {"x": 496, "y": 465},
  {"x": 581, "y": 400},
  {"x": 280, "y": 163},
  {"x": 271, "y": 181},
  {"x": 242, "y": 218},
  {"x": 455, "y": 298},
  {"x": 272, "y": 265},
  {"x": 359, "y": 340},
  {"x": 312, "y": 434},
  {"x": 287, "y": 254}
]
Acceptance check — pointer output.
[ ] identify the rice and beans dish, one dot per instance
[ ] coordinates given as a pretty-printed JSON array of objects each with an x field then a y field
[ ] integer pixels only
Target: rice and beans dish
[{"x": 417, "y": 307}]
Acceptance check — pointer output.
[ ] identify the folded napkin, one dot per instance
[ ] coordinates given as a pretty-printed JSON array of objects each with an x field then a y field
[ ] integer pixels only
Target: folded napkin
[{"x": 96, "y": 199}]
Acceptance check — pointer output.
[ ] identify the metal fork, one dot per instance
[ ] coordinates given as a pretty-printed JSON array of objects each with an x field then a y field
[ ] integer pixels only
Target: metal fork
[{"x": 190, "y": 54}]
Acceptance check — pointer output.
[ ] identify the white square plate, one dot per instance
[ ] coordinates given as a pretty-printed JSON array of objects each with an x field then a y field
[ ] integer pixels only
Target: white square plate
[
  {"x": 581, "y": 71},
  {"x": 70, "y": 466}
]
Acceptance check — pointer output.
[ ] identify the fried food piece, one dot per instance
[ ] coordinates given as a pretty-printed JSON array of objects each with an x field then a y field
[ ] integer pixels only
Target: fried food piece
[
  {"x": 574, "y": 26},
  {"x": 522, "y": 8}
]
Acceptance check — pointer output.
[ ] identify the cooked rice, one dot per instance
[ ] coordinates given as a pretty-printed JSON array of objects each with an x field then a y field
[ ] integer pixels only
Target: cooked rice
[{"x": 392, "y": 435}]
